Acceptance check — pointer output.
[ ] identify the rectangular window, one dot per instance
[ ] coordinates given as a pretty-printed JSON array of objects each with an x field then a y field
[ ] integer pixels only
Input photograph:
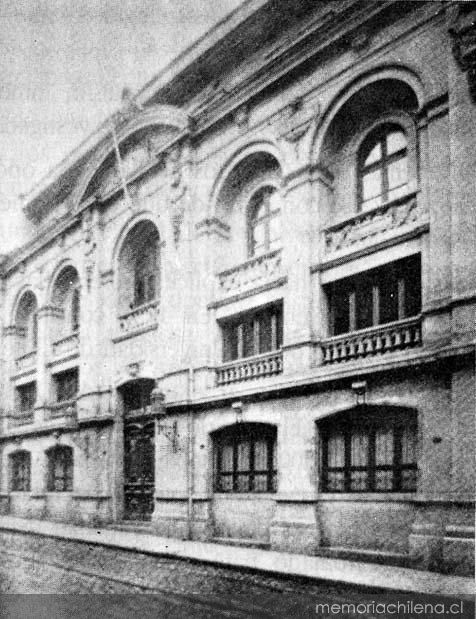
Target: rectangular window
[
  {"x": 245, "y": 459},
  {"x": 26, "y": 397},
  {"x": 370, "y": 452},
  {"x": 20, "y": 471},
  {"x": 60, "y": 469},
  {"x": 376, "y": 297},
  {"x": 253, "y": 334},
  {"x": 67, "y": 385}
]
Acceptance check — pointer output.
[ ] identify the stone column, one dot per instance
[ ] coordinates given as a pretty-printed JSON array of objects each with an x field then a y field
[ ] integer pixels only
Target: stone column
[
  {"x": 46, "y": 315},
  {"x": 8, "y": 368},
  {"x": 298, "y": 233}
]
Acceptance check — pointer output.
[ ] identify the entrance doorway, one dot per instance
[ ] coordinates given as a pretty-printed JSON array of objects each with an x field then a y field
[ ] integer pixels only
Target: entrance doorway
[{"x": 139, "y": 450}]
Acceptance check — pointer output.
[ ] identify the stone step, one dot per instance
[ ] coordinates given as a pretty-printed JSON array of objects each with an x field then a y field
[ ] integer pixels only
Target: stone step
[
  {"x": 142, "y": 526},
  {"x": 366, "y": 555},
  {"x": 241, "y": 542}
]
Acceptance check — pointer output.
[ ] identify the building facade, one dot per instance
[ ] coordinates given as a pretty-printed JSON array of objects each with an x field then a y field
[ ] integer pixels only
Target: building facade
[{"x": 250, "y": 316}]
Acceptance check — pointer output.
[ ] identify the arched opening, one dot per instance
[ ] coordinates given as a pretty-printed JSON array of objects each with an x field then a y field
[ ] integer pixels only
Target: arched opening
[
  {"x": 26, "y": 323},
  {"x": 369, "y": 449},
  {"x": 139, "y": 449},
  {"x": 249, "y": 203},
  {"x": 20, "y": 471},
  {"x": 245, "y": 480},
  {"x": 139, "y": 267},
  {"x": 369, "y": 149},
  {"x": 60, "y": 469},
  {"x": 66, "y": 301}
]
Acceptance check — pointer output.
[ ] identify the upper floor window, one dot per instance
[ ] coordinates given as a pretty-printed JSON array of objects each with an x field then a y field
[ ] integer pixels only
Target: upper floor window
[
  {"x": 26, "y": 322},
  {"x": 20, "y": 471},
  {"x": 66, "y": 385},
  {"x": 66, "y": 298},
  {"x": 264, "y": 221},
  {"x": 382, "y": 166},
  {"x": 26, "y": 397},
  {"x": 60, "y": 469},
  {"x": 253, "y": 333},
  {"x": 139, "y": 269},
  {"x": 370, "y": 450},
  {"x": 375, "y": 297},
  {"x": 245, "y": 458}
]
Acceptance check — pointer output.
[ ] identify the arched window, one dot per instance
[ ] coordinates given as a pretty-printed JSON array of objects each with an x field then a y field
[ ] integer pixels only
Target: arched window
[
  {"x": 66, "y": 297},
  {"x": 60, "y": 469},
  {"x": 20, "y": 471},
  {"x": 369, "y": 449},
  {"x": 245, "y": 458},
  {"x": 26, "y": 322},
  {"x": 139, "y": 267},
  {"x": 382, "y": 166},
  {"x": 75, "y": 308},
  {"x": 264, "y": 221}
]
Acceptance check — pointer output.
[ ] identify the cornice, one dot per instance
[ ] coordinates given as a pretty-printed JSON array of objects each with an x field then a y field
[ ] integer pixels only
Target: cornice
[
  {"x": 43, "y": 237},
  {"x": 310, "y": 40}
]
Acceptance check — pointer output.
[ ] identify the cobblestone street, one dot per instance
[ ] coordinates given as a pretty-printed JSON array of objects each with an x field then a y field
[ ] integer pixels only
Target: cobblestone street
[{"x": 34, "y": 564}]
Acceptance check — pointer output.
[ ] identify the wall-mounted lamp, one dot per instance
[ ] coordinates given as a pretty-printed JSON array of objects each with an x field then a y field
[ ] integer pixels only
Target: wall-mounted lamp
[
  {"x": 157, "y": 404},
  {"x": 360, "y": 390},
  {"x": 238, "y": 408}
]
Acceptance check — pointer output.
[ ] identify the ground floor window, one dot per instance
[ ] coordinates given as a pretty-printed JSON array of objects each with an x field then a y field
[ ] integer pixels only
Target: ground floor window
[
  {"x": 370, "y": 449},
  {"x": 20, "y": 471},
  {"x": 60, "y": 469},
  {"x": 245, "y": 458},
  {"x": 66, "y": 385}
]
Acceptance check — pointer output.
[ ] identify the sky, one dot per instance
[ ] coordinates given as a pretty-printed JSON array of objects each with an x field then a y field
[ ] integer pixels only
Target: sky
[{"x": 63, "y": 67}]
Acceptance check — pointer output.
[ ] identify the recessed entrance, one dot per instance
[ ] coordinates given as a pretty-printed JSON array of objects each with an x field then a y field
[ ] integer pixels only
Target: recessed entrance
[{"x": 139, "y": 450}]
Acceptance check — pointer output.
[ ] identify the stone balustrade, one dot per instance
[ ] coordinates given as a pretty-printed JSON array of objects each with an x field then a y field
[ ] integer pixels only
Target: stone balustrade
[
  {"x": 26, "y": 362},
  {"x": 142, "y": 317},
  {"x": 62, "y": 409},
  {"x": 21, "y": 418},
  {"x": 66, "y": 346},
  {"x": 373, "y": 225},
  {"x": 374, "y": 341},
  {"x": 259, "y": 366},
  {"x": 251, "y": 273}
]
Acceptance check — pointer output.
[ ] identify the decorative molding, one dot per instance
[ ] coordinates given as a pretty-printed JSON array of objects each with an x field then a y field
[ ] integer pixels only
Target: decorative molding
[
  {"x": 462, "y": 29},
  {"x": 107, "y": 277},
  {"x": 370, "y": 226},
  {"x": 251, "y": 273},
  {"x": 213, "y": 225}
]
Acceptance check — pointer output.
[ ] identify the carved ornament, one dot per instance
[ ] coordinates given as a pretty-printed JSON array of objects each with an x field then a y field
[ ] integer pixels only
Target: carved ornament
[{"x": 463, "y": 32}]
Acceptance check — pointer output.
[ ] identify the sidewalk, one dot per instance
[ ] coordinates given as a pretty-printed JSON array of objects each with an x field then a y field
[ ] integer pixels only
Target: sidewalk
[{"x": 286, "y": 564}]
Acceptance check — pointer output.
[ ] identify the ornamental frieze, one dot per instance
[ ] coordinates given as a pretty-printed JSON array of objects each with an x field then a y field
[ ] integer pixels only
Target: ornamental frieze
[{"x": 369, "y": 227}]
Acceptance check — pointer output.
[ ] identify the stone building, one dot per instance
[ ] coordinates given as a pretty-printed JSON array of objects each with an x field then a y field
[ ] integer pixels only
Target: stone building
[{"x": 245, "y": 306}]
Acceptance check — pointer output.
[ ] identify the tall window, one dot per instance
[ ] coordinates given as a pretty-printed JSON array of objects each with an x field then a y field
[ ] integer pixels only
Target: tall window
[
  {"x": 254, "y": 333},
  {"x": 26, "y": 397},
  {"x": 145, "y": 274},
  {"x": 27, "y": 324},
  {"x": 139, "y": 267},
  {"x": 66, "y": 385},
  {"x": 75, "y": 310},
  {"x": 370, "y": 451},
  {"x": 245, "y": 458},
  {"x": 375, "y": 297},
  {"x": 382, "y": 166},
  {"x": 60, "y": 469},
  {"x": 20, "y": 471},
  {"x": 264, "y": 221}
]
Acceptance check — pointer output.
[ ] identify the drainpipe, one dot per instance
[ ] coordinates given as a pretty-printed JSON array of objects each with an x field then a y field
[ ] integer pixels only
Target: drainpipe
[{"x": 190, "y": 463}]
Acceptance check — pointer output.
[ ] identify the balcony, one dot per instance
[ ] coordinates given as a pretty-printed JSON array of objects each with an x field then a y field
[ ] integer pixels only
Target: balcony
[
  {"x": 374, "y": 341},
  {"x": 21, "y": 418},
  {"x": 371, "y": 227},
  {"x": 259, "y": 366},
  {"x": 66, "y": 346},
  {"x": 65, "y": 409},
  {"x": 139, "y": 319},
  {"x": 250, "y": 274},
  {"x": 26, "y": 362}
]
